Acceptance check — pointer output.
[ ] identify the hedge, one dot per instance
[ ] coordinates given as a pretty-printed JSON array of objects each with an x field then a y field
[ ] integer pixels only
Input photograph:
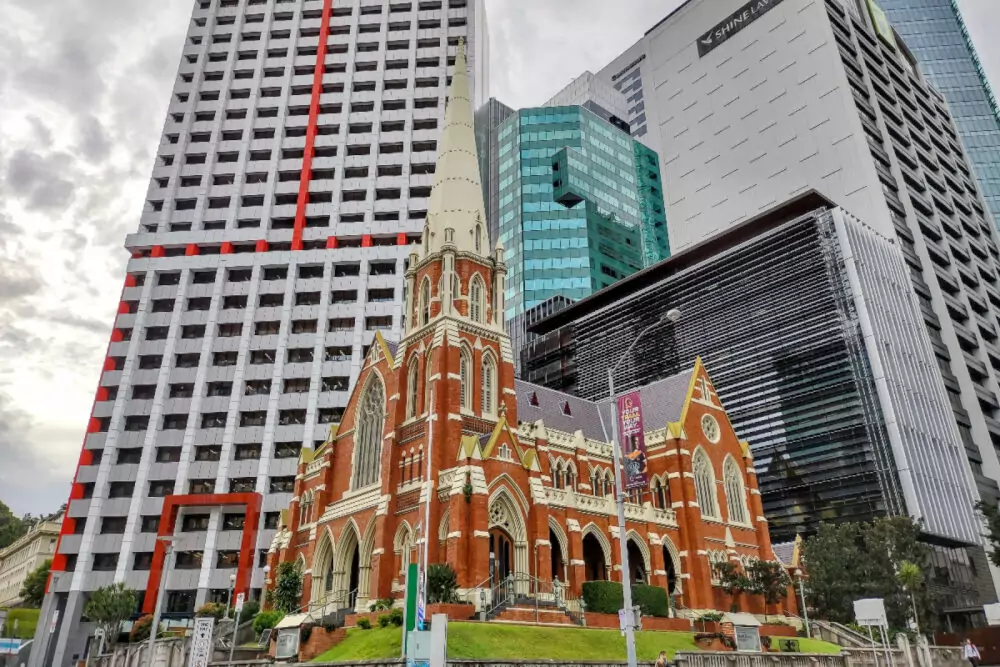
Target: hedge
[{"x": 605, "y": 597}]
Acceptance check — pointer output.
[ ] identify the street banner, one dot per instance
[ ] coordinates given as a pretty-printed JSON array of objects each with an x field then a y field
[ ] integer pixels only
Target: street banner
[
  {"x": 633, "y": 443},
  {"x": 201, "y": 642}
]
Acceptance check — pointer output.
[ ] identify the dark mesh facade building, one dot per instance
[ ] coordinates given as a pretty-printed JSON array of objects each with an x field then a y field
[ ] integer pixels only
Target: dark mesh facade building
[{"x": 808, "y": 320}]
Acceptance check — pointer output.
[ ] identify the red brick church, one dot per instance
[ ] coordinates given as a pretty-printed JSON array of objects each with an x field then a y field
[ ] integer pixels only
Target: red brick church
[{"x": 521, "y": 480}]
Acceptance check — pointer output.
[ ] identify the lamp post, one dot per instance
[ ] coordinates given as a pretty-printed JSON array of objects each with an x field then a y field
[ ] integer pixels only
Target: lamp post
[
  {"x": 802, "y": 595},
  {"x": 229, "y": 593},
  {"x": 263, "y": 592},
  {"x": 672, "y": 315},
  {"x": 169, "y": 541}
]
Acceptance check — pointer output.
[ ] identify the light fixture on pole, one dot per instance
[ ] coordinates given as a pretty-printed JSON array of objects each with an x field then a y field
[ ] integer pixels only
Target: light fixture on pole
[
  {"x": 229, "y": 593},
  {"x": 672, "y": 315},
  {"x": 168, "y": 540},
  {"x": 263, "y": 592},
  {"x": 802, "y": 595}
]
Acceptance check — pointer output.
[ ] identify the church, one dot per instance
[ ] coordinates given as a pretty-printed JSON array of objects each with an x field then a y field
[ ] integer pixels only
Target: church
[{"x": 518, "y": 478}]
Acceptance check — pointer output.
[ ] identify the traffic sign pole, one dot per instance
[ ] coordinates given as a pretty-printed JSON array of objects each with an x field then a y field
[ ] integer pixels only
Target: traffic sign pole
[{"x": 238, "y": 609}]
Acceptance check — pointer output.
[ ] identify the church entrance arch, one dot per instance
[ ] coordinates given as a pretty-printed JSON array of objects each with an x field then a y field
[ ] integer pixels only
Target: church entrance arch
[
  {"x": 508, "y": 539},
  {"x": 595, "y": 567}
]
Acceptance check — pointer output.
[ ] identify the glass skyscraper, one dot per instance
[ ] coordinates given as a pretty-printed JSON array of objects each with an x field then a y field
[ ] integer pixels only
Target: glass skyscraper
[
  {"x": 936, "y": 34},
  {"x": 580, "y": 206}
]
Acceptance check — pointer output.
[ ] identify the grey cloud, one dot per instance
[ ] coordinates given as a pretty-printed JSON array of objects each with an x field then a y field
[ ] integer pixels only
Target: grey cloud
[
  {"x": 95, "y": 144},
  {"x": 17, "y": 281},
  {"x": 38, "y": 180},
  {"x": 80, "y": 322}
]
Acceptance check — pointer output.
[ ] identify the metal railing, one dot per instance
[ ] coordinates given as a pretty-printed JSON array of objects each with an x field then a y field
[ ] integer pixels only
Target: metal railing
[{"x": 493, "y": 596}]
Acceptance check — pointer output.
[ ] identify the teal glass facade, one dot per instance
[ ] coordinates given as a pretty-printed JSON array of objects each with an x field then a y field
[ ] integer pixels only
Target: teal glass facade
[
  {"x": 580, "y": 205},
  {"x": 936, "y": 34}
]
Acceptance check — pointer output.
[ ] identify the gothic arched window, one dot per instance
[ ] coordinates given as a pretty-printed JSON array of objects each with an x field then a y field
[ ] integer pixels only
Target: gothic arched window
[
  {"x": 465, "y": 375},
  {"x": 369, "y": 423},
  {"x": 479, "y": 238},
  {"x": 661, "y": 495},
  {"x": 489, "y": 396},
  {"x": 476, "y": 291},
  {"x": 425, "y": 302},
  {"x": 427, "y": 382},
  {"x": 704, "y": 484},
  {"x": 736, "y": 506},
  {"x": 412, "y": 386}
]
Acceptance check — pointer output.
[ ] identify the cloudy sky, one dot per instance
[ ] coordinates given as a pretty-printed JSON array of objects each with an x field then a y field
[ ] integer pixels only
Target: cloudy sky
[{"x": 83, "y": 90}]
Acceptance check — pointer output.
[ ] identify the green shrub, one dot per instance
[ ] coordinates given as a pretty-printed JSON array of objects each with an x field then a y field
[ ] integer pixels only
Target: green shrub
[
  {"x": 250, "y": 609},
  {"x": 305, "y": 630},
  {"x": 384, "y": 621},
  {"x": 711, "y": 617},
  {"x": 396, "y": 617},
  {"x": 603, "y": 597},
  {"x": 442, "y": 584},
  {"x": 140, "y": 629},
  {"x": 652, "y": 600},
  {"x": 364, "y": 624},
  {"x": 382, "y": 604},
  {"x": 765, "y": 642},
  {"x": 212, "y": 609},
  {"x": 266, "y": 620}
]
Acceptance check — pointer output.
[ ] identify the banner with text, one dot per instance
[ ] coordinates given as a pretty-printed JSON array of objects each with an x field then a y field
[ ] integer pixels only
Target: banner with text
[{"x": 633, "y": 442}]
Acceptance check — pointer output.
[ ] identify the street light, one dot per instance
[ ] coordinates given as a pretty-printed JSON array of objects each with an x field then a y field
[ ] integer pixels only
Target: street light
[
  {"x": 229, "y": 593},
  {"x": 267, "y": 580},
  {"x": 802, "y": 595},
  {"x": 169, "y": 541},
  {"x": 672, "y": 316}
]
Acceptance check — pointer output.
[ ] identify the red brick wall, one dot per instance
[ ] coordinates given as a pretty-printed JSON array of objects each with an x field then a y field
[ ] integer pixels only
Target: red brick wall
[{"x": 595, "y": 620}]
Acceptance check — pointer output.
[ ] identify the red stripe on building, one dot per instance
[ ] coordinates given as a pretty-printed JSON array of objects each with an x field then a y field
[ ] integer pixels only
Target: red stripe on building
[
  {"x": 86, "y": 456},
  {"x": 317, "y": 91}
]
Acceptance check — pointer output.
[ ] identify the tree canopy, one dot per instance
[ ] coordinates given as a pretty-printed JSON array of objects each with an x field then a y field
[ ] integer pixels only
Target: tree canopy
[
  {"x": 109, "y": 607},
  {"x": 33, "y": 588},
  {"x": 287, "y": 594},
  {"x": 848, "y": 561}
]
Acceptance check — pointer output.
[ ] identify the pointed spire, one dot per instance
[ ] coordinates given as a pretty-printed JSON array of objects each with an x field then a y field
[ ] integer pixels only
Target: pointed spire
[{"x": 456, "y": 201}]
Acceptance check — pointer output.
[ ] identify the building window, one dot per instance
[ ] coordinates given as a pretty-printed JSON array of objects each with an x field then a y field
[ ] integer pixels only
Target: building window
[
  {"x": 465, "y": 373},
  {"x": 193, "y": 523},
  {"x": 476, "y": 291},
  {"x": 736, "y": 506},
  {"x": 489, "y": 386},
  {"x": 370, "y": 420},
  {"x": 233, "y": 521},
  {"x": 412, "y": 375},
  {"x": 704, "y": 484},
  {"x": 425, "y": 302},
  {"x": 661, "y": 495},
  {"x": 105, "y": 562},
  {"x": 427, "y": 382},
  {"x": 479, "y": 238}
]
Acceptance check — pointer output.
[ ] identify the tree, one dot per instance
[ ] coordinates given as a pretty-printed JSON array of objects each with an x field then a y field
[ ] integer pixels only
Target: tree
[
  {"x": 911, "y": 577},
  {"x": 990, "y": 515},
  {"x": 732, "y": 580},
  {"x": 11, "y": 527},
  {"x": 834, "y": 568},
  {"x": 442, "y": 583},
  {"x": 109, "y": 607},
  {"x": 287, "y": 596},
  {"x": 849, "y": 561},
  {"x": 33, "y": 588},
  {"x": 769, "y": 580}
]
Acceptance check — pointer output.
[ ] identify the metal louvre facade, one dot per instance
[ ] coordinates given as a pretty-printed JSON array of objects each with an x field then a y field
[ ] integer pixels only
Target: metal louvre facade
[
  {"x": 927, "y": 448},
  {"x": 779, "y": 325}
]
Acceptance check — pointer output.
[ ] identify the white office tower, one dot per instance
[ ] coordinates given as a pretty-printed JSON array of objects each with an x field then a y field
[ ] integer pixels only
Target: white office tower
[
  {"x": 294, "y": 169},
  {"x": 750, "y": 104}
]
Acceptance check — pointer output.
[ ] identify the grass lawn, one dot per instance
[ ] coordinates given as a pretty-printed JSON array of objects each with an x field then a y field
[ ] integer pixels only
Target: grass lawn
[
  {"x": 27, "y": 620},
  {"x": 493, "y": 640}
]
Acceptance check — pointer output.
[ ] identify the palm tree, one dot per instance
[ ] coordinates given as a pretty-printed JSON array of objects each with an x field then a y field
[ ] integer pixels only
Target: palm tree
[{"x": 911, "y": 578}]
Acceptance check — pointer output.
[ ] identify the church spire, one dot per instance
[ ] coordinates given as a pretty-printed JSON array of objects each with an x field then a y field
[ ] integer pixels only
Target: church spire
[{"x": 456, "y": 201}]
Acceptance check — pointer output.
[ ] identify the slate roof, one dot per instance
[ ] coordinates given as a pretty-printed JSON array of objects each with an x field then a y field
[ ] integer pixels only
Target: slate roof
[
  {"x": 662, "y": 402},
  {"x": 784, "y": 552}
]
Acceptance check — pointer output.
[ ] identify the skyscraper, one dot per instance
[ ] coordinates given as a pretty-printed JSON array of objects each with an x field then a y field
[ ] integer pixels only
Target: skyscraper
[
  {"x": 575, "y": 201},
  {"x": 755, "y": 107},
  {"x": 294, "y": 171},
  {"x": 936, "y": 34}
]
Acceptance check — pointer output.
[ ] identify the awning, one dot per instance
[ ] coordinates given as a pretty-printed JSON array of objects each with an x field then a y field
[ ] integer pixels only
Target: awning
[{"x": 741, "y": 619}]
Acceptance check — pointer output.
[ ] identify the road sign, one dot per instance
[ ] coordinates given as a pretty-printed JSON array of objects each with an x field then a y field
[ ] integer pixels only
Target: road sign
[
  {"x": 55, "y": 622},
  {"x": 201, "y": 642},
  {"x": 870, "y": 611},
  {"x": 240, "y": 599}
]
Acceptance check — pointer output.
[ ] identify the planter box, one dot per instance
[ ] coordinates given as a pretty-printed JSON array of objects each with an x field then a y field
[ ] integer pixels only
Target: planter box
[{"x": 778, "y": 631}]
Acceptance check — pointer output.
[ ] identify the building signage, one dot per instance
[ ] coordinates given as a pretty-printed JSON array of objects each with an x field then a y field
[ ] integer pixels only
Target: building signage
[
  {"x": 734, "y": 23},
  {"x": 628, "y": 67},
  {"x": 633, "y": 443},
  {"x": 201, "y": 642},
  {"x": 287, "y": 644},
  {"x": 870, "y": 611}
]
